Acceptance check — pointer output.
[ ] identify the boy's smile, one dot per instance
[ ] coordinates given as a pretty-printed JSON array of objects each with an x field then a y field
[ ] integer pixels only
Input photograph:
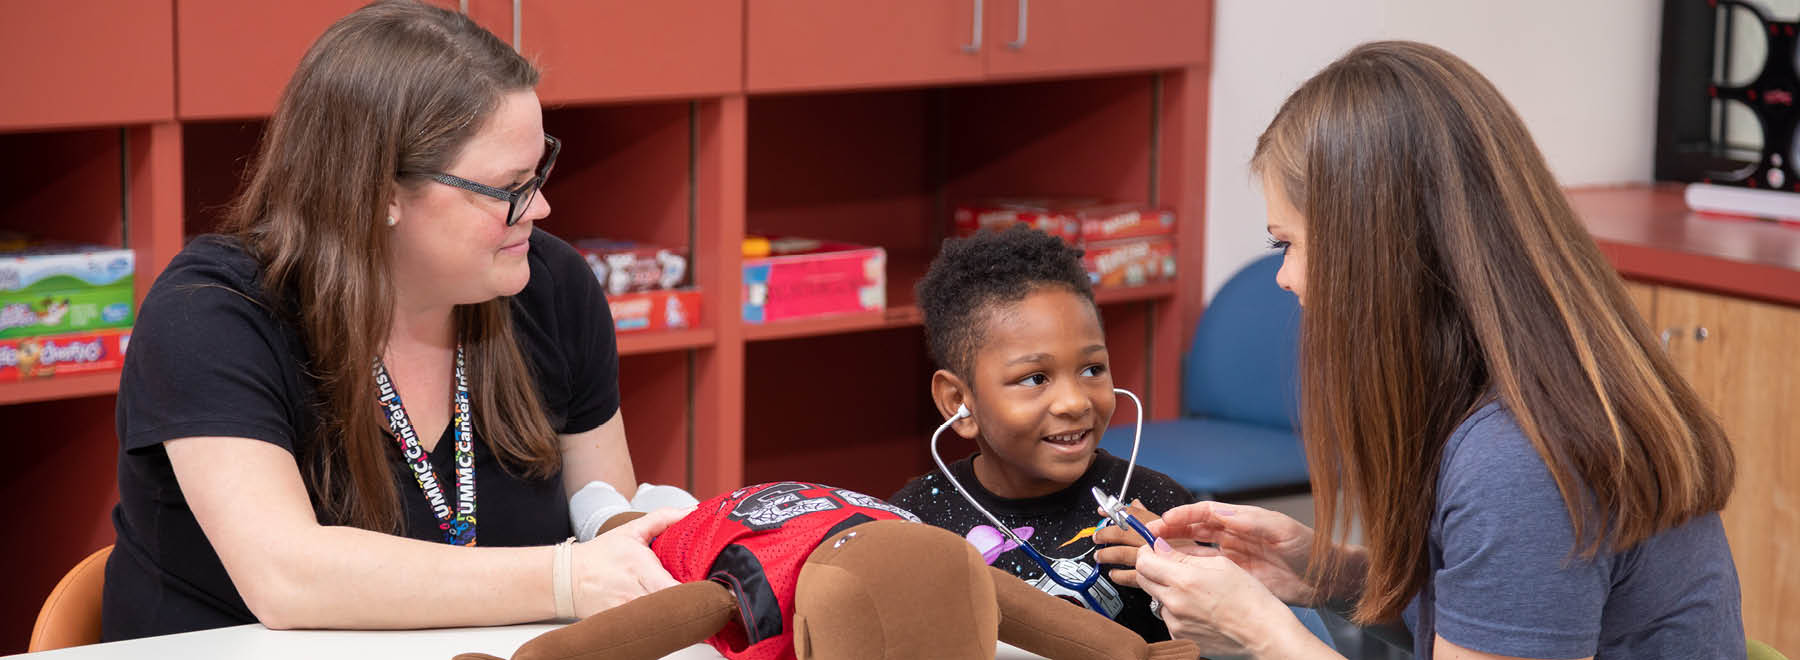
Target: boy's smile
[{"x": 1042, "y": 393}]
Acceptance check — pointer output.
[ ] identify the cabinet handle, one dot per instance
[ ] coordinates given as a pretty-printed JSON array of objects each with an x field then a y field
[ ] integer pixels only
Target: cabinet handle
[
  {"x": 974, "y": 45},
  {"x": 518, "y": 27},
  {"x": 1700, "y": 333},
  {"x": 1024, "y": 24},
  {"x": 1668, "y": 334}
]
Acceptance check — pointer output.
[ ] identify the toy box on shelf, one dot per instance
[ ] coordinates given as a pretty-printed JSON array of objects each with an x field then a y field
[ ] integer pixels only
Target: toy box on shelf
[
  {"x": 1132, "y": 262},
  {"x": 48, "y": 289},
  {"x": 26, "y": 358},
  {"x": 661, "y": 309},
  {"x": 643, "y": 283},
  {"x": 626, "y": 267},
  {"x": 795, "y": 278},
  {"x": 1078, "y": 220},
  {"x": 1124, "y": 244}
]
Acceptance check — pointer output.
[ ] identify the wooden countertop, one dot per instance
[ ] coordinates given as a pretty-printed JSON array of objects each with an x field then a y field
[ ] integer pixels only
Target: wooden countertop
[{"x": 1649, "y": 234}]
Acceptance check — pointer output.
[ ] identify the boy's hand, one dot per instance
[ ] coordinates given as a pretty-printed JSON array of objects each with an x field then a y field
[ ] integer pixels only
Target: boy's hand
[{"x": 1119, "y": 545}]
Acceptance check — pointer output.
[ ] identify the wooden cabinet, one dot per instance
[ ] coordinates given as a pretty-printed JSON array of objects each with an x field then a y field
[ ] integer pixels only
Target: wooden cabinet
[
  {"x": 606, "y": 50},
  {"x": 1743, "y": 357},
  {"x": 832, "y": 44},
  {"x": 85, "y": 62},
  {"x": 237, "y": 56},
  {"x": 1037, "y": 37},
  {"x": 1644, "y": 297},
  {"x": 794, "y": 45}
]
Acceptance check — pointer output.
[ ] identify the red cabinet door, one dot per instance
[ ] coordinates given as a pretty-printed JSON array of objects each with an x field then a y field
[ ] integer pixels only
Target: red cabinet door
[
  {"x": 1084, "y": 36},
  {"x": 601, "y": 50},
  {"x": 236, "y": 56},
  {"x": 825, "y": 44},
  {"x": 85, "y": 62}
]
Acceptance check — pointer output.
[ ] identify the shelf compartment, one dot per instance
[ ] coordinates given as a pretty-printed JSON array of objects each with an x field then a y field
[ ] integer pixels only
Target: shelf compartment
[
  {"x": 65, "y": 185},
  {"x": 907, "y": 316},
  {"x": 659, "y": 341},
  {"x": 850, "y": 410},
  {"x": 62, "y": 475},
  {"x": 893, "y": 317},
  {"x": 655, "y": 391},
  {"x": 59, "y": 387}
]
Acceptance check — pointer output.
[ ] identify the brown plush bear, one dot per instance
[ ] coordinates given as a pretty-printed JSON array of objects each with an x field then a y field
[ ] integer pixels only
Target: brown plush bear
[{"x": 802, "y": 570}]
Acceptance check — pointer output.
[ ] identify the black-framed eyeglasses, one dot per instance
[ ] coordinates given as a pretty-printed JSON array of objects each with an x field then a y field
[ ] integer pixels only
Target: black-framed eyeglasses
[{"x": 517, "y": 199}]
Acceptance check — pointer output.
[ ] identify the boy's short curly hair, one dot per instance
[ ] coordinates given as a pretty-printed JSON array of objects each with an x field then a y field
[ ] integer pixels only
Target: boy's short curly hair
[{"x": 972, "y": 277}]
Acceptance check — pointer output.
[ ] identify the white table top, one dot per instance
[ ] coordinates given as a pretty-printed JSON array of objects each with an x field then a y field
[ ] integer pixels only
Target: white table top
[{"x": 255, "y": 641}]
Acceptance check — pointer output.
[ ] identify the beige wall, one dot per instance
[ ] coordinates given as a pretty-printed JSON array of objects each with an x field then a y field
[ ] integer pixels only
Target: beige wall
[{"x": 1582, "y": 74}]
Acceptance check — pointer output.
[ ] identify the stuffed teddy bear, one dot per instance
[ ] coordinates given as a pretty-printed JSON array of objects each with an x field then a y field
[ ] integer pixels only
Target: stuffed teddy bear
[{"x": 804, "y": 571}]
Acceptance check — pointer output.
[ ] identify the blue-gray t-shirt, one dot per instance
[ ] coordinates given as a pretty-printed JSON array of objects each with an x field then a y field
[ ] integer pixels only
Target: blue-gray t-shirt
[{"x": 1504, "y": 579}]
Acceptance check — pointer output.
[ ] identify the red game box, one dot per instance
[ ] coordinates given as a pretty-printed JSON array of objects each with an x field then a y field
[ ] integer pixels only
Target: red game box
[
  {"x": 666, "y": 309},
  {"x": 1130, "y": 262},
  {"x": 26, "y": 358},
  {"x": 1078, "y": 220}
]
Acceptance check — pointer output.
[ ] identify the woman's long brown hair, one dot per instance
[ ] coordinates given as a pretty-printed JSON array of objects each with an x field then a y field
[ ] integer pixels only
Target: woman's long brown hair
[
  {"x": 1445, "y": 268},
  {"x": 395, "y": 86}
]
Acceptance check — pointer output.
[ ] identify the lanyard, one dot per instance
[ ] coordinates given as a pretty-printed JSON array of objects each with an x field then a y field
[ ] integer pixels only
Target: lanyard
[{"x": 458, "y": 527}]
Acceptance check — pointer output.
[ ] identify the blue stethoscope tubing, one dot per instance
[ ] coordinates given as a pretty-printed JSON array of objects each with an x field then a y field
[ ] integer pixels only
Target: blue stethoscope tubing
[{"x": 1115, "y": 507}]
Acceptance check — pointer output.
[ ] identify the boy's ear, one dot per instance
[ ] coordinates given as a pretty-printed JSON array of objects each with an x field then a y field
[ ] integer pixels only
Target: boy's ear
[{"x": 948, "y": 392}]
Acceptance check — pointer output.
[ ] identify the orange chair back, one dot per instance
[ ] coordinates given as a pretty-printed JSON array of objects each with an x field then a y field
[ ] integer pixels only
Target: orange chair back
[{"x": 71, "y": 615}]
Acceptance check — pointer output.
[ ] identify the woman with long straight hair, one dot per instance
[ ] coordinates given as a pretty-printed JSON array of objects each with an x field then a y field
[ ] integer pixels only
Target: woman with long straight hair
[
  {"x": 367, "y": 404},
  {"x": 1532, "y": 476}
]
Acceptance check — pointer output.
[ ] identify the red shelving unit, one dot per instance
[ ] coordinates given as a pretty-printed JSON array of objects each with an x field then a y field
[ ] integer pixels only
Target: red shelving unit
[{"x": 691, "y": 142}]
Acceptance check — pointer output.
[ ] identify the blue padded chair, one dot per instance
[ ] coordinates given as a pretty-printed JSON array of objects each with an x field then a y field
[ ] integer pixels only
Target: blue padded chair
[{"x": 1235, "y": 439}]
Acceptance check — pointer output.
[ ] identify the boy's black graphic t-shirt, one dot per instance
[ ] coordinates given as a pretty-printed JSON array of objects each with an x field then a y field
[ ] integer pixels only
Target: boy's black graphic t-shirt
[{"x": 1060, "y": 525}]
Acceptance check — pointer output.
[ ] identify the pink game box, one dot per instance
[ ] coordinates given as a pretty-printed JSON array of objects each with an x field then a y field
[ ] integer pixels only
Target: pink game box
[{"x": 795, "y": 278}]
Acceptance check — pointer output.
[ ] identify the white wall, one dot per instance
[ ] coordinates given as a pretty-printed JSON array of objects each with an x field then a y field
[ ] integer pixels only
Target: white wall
[{"x": 1581, "y": 72}]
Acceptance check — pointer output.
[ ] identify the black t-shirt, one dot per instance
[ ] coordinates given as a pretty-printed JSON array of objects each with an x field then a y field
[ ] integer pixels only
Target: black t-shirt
[
  {"x": 1061, "y": 524},
  {"x": 208, "y": 358}
]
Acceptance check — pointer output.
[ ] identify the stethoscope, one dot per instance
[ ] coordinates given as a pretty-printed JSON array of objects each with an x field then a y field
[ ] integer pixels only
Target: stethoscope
[{"x": 1113, "y": 506}]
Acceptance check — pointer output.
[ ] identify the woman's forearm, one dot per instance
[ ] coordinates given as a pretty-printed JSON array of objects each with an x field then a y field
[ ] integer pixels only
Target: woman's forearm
[
  {"x": 1291, "y": 641},
  {"x": 344, "y": 577}
]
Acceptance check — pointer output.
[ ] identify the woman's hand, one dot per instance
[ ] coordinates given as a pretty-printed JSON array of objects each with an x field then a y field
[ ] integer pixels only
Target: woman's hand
[
  {"x": 1223, "y": 609},
  {"x": 1267, "y": 545},
  {"x": 618, "y": 566},
  {"x": 1119, "y": 545}
]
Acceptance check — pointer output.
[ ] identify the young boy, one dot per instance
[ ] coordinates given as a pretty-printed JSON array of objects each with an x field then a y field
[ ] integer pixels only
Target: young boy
[{"x": 1011, "y": 321}]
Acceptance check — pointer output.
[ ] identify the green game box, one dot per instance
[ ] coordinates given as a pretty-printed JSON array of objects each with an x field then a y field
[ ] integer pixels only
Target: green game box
[{"x": 65, "y": 289}]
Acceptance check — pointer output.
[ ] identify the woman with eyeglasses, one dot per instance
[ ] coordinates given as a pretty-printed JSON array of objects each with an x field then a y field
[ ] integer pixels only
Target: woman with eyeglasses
[
  {"x": 367, "y": 404},
  {"x": 1533, "y": 477}
]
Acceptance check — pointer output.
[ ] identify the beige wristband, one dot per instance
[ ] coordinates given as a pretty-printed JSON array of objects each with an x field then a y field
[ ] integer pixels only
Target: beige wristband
[{"x": 562, "y": 580}]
